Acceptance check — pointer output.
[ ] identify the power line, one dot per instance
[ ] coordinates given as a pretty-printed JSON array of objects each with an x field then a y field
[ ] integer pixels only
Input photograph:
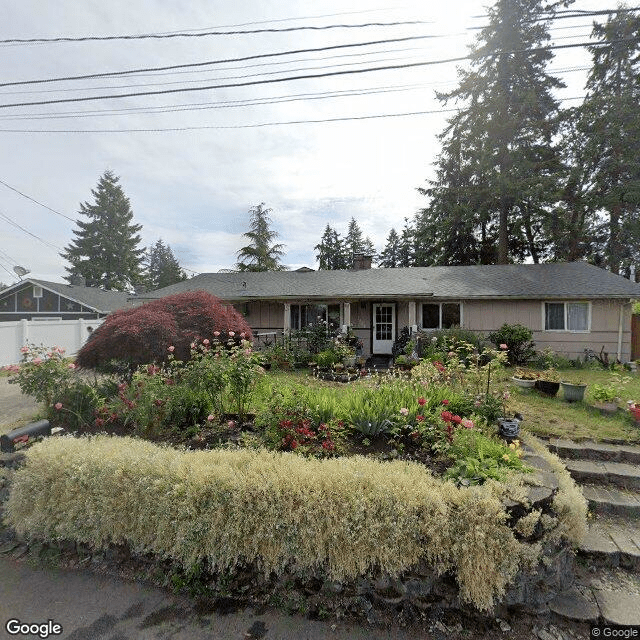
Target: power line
[
  {"x": 24, "y": 195},
  {"x": 311, "y": 76},
  {"x": 249, "y": 102},
  {"x": 250, "y": 126},
  {"x": 33, "y": 235},
  {"x": 107, "y": 74},
  {"x": 188, "y": 34}
]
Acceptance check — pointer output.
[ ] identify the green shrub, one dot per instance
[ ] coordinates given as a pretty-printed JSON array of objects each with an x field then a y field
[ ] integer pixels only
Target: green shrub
[
  {"x": 518, "y": 339},
  {"x": 343, "y": 517}
]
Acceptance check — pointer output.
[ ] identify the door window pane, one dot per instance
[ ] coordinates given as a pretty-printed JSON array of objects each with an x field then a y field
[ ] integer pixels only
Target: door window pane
[
  {"x": 554, "y": 316},
  {"x": 450, "y": 315},
  {"x": 431, "y": 316},
  {"x": 578, "y": 316},
  {"x": 384, "y": 323}
]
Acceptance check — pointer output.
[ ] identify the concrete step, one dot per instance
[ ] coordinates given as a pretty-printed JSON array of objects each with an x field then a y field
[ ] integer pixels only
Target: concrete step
[
  {"x": 612, "y": 543},
  {"x": 619, "y": 474},
  {"x": 609, "y": 501},
  {"x": 588, "y": 450}
]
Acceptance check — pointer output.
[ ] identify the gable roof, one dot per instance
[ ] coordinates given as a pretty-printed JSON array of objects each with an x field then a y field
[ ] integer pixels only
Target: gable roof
[
  {"x": 574, "y": 280},
  {"x": 92, "y": 297}
]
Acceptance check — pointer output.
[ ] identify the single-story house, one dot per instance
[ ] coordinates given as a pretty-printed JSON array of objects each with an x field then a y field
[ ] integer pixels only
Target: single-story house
[
  {"x": 32, "y": 299},
  {"x": 568, "y": 306}
]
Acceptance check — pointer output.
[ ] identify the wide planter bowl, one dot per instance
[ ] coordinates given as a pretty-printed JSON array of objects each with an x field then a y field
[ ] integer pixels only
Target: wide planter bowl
[
  {"x": 547, "y": 387},
  {"x": 607, "y": 408},
  {"x": 523, "y": 383},
  {"x": 573, "y": 392}
]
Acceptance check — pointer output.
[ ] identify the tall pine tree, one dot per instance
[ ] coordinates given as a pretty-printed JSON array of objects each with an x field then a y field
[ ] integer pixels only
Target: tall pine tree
[
  {"x": 389, "y": 256},
  {"x": 330, "y": 252},
  {"x": 163, "y": 269},
  {"x": 612, "y": 127},
  {"x": 105, "y": 250},
  {"x": 262, "y": 253},
  {"x": 499, "y": 145}
]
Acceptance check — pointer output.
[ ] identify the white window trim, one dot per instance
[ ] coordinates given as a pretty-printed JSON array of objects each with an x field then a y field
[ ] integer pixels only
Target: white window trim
[
  {"x": 37, "y": 291},
  {"x": 565, "y": 303},
  {"x": 439, "y": 303}
]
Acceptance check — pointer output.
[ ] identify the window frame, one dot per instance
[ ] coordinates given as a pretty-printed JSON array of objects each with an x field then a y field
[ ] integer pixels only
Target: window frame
[
  {"x": 302, "y": 305},
  {"x": 566, "y": 304},
  {"x": 439, "y": 303}
]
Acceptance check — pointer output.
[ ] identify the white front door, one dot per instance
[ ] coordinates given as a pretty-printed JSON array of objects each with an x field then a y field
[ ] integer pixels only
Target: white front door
[{"x": 384, "y": 327}]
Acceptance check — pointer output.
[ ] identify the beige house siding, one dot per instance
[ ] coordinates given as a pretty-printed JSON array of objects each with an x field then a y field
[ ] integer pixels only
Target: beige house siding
[{"x": 487, "y": 316}]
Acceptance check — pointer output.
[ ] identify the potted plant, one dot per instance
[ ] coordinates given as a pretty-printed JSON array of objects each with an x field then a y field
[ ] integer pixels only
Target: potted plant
[
  {"x": 524, "y": 379},
  {"x": 634, "y": 410},
  {"x": 549, "y": 382},
  {"x": 573, "y": 391},
  {"x": 607, "y": 396},
  {"x": 508, "y": 427}
]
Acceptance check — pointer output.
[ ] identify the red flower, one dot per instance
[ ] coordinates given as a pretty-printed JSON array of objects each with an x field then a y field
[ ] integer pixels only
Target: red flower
[
  {"x": 445, "y": 402},
  {"x": 447, "y": 416},
  {"x": 420, "y": 418},
  {"x": 422, "y": 402},
  {"x": 294, "y": 444},
  {"x": 456, "y": 419}
]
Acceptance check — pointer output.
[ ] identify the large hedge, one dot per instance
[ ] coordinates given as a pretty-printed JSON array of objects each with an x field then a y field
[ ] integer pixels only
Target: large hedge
[
  {"x": 343, "y": 516},
  {"x": 144, "y": 334}
]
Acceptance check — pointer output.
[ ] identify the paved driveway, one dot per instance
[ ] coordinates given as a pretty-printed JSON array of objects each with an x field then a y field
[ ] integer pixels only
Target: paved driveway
[{"x": 15, "y": 409}]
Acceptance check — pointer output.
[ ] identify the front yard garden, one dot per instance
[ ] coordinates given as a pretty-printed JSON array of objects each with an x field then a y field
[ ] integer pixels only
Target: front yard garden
[{"x": 200, "y": 457}]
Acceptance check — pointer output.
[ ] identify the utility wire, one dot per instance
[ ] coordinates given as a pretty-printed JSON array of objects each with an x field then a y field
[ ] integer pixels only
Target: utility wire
[
  {"x": 212, "y": 62},
  {"x": 249, "y": 102},
  {"x": 33, "y": 235},
  {"x": 311, "y": 76},
  {"x": 24, "y": 195},
  {"x": 250, "y": 126},
  {"x": 188, "y": 34}
]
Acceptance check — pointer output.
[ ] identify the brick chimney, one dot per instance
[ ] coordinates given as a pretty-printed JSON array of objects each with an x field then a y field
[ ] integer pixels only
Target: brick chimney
[
  {"x": 77, "y": 281},
  {"x": 361, "y": 262}
]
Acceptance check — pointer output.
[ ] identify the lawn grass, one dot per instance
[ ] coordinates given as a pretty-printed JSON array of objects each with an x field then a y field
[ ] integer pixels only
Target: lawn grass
[{"x": 543, "y": 416}]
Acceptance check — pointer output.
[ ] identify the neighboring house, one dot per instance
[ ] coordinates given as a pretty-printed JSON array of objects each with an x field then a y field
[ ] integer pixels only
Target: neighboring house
[
  {"x": 32, "y": 299},
  {"x": 569, "y": 307}
]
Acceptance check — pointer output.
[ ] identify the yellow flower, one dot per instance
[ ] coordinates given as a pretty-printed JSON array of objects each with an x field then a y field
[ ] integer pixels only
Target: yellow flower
[
  {"x": 506, "y": 457},
  {"x": 512, "y": 446}
]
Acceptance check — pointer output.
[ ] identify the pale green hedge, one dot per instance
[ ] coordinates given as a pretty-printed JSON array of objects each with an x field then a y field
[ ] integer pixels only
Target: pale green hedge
[{"x": 344, "y": 516}]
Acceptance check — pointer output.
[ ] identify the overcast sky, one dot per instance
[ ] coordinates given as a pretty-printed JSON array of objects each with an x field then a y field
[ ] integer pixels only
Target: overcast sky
[{"x": 193, "y": 187}]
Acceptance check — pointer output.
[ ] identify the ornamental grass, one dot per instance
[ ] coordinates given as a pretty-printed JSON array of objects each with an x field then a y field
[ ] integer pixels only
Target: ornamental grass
[{"x": 339, "y": 517}]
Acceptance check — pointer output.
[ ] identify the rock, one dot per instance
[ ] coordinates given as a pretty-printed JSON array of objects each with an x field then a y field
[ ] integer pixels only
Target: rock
[
  {"x": 504, "y": 626},
  {"x": 618, "y": 607},
  {"x": 573, "y": 605}
]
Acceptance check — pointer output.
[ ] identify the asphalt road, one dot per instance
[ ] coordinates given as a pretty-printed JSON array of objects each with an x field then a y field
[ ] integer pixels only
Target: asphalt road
[{"x": 95, "y": 607}]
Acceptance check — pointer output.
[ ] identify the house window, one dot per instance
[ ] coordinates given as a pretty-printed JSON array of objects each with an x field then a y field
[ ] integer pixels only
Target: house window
[
  {"x": 37, "y": 292},
  {"x": 441, "y": 315},
  {"x": 304, "y": 315},
  {"x": 567, "y": 316}
]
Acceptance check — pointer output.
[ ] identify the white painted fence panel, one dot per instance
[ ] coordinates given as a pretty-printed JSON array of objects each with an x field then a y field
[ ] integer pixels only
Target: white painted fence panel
[{"x": 68, "y": 334}]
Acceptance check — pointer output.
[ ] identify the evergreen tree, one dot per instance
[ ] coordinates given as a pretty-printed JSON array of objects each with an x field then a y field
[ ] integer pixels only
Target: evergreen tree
[
  {"x": 390, "y": 255},
  {"x": 162, "y": 267},
  {"x": 105, "y": 250},
  {"x": 612, "y": 127},
  {"x": 353, "y": 242},
  {"x": 330, "y": 253},
  {"x": 368, "y": 248},
  {"x": 406, "y": 246},
  {"x": 261, "y": 254},
  {"x": 499, "y": 146}
]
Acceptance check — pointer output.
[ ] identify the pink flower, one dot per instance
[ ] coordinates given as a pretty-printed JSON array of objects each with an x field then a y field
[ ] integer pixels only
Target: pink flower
[
  {"x": 231, "y": 424},
  {"x": 503, "y": 346},
  {"x": 205, "y": 342},
  {"x": 243, "y": 335},
  {"x": 216, "y": 333},
  {"x": 72, "y": 366},
  {"x": 468, "y": 424},
  {"x": 404, "y": 411},
  {"x": 506, "y": 395},
  {"x": 247, "y": 352},
  {"x": 24, "y": 349},
  {"x": 37, "y": 361},
  {"x": 210, "y": 418},
  {"x": 231, "y": 334},
  {"x": 193, "y": 345},
  {"x": 172, "y": 349},
  {"x": 422, "y": 402},
  {"x": 58, "y": 406},
  {"x": 477, "y": 403}
]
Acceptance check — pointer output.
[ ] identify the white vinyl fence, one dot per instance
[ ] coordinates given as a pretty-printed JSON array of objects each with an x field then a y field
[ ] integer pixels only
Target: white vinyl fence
[{"x": 68, "y": 334}]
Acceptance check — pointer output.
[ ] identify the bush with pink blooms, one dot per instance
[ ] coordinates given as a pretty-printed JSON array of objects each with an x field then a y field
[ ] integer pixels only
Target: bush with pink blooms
[{"x": 42, "y": 372}]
